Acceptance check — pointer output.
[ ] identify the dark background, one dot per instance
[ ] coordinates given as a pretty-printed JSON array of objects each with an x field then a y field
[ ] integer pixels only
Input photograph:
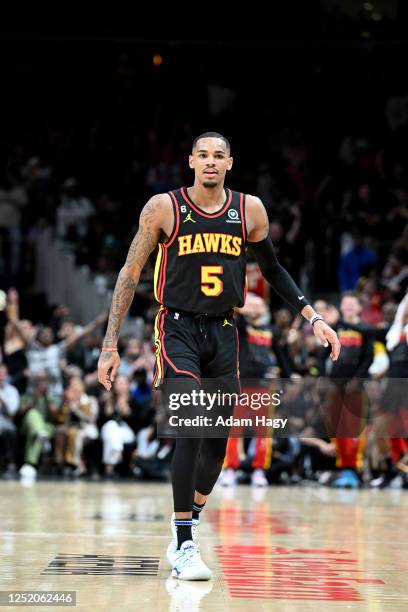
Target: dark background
[{"x": 82, "y": 93}]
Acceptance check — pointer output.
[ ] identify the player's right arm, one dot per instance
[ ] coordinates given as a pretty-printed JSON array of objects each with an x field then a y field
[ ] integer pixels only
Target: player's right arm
[{"x": 151, "y": 223}]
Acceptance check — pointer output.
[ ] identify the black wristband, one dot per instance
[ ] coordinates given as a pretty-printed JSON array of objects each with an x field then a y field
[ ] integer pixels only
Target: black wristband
[{"x": 315, "y": 318}]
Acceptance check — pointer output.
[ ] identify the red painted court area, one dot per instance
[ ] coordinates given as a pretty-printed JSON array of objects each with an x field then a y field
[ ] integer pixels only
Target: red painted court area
[{"x": 275, "y": 572}]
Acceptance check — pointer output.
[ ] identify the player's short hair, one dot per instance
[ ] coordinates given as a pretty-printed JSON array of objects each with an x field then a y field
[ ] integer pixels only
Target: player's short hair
[{"x": 212, "y": 135}]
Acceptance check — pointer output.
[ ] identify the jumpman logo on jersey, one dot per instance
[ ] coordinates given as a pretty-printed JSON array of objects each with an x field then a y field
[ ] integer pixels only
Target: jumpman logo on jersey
[
  {"x": 189, "y": 218},
  {"x": 226, "y": 322}
]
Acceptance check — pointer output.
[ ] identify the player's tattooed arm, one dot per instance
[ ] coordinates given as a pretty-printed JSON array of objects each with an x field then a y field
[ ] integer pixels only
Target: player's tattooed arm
[{"x": 145, "y": 241}]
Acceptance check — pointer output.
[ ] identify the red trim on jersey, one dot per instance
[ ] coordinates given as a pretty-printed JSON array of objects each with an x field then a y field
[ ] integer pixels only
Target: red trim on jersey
[
  {"x": 164, "y": 277},
  {"x": 187, "y": 198},
  {"x": 167, "y": 358},
  {"x": 241, "y": 209},
  {"x": 162, "y": 280},
  {"x": 176, "y": 222},
  {"x": 156, "y": 371},
  {"x": 239, "y": 381},
  {"x": 156, "y": 374},
  {"x": 166, "y": 245},
  {"x": 245, "y": 288},
  {"x": 161, "y": 352}
]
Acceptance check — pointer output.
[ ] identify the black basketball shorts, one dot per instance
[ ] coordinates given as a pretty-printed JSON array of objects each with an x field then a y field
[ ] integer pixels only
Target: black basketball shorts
[{"x": 197, "y": 346}]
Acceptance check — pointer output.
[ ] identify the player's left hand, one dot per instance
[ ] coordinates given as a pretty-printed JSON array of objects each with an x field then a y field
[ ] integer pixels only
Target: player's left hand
[{"x": 327, "y": 336}]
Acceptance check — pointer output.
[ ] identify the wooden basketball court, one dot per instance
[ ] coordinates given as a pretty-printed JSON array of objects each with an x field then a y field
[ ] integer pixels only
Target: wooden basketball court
[{"x": 270, "y": 549}]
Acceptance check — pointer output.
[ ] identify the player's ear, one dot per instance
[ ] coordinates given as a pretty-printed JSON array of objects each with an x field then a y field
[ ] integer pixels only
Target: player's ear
[
  {"x": 191, "y": 161},
  {"x": 230, "y": 162}
]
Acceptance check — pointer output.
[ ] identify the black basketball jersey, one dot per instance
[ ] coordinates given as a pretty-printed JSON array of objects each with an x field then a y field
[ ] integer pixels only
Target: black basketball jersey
[{"x": 201, "y": 267}]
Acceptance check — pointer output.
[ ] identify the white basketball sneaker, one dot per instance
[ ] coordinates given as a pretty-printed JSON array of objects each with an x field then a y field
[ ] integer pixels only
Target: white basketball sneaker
[
  {"x": 258, "y": 478},
  {"x": 27, "y": 472},
  {"x": 172, "y": 547},
  {"x": 229, "y": 477},
  {"x": 188, "y": 565}
]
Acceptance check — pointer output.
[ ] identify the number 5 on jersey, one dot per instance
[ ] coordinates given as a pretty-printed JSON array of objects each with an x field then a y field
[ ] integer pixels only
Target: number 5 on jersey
[{"x": 211, "y": 285}]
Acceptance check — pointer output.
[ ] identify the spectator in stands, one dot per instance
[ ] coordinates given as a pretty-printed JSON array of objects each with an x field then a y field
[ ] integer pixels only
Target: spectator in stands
[
  {"x": 370, "y": 297},
  {"x": 285, "y": 336},
  {"x": 83, "y": 353},
  {"x": 388, "y": 311},
  {"x": 355, "y": 262},
  {"x": 346, "y": 414},
  {"x": 259, "y": 341},
  {"x": 261, "y": 357},
  {"x": 395, "y": 274},
  {"x": 78, "y": 414},
  {"x": 118, "y": 432},
  {"x": 74, "y": 212},
  {"x": 37, "y": 418},
  {"x": 135, "y": 357},
  {"x": 43, "y": 354},
  {"x": 60, "y": 314},
  {"x": 9, "y": 403},
  {"x": 388, "y": 425},
  {"x": 14, "y": 342},
  {"x": 256, "y": 283}
]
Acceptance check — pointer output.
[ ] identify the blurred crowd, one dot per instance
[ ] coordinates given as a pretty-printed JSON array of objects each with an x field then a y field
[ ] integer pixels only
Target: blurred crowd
[
  {"x": 53, "y": 407},
  {"x": 339, "y": 222},
  {"x": 332, "y": 221},
  {"x": 56, "y": 420}
]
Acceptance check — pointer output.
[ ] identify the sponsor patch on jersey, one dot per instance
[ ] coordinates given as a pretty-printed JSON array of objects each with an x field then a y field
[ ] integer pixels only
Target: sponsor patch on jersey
[{"x": 233, "y": 216}]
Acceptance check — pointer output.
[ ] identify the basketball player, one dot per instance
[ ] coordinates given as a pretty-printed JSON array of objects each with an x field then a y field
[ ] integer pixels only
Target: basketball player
[
  {"x": 201, "y": 233},
  {"x": 347, "y": 408}
]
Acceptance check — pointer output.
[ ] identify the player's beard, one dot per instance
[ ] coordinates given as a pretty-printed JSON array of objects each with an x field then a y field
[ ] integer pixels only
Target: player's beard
[{"x": 209, "y": 185}]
